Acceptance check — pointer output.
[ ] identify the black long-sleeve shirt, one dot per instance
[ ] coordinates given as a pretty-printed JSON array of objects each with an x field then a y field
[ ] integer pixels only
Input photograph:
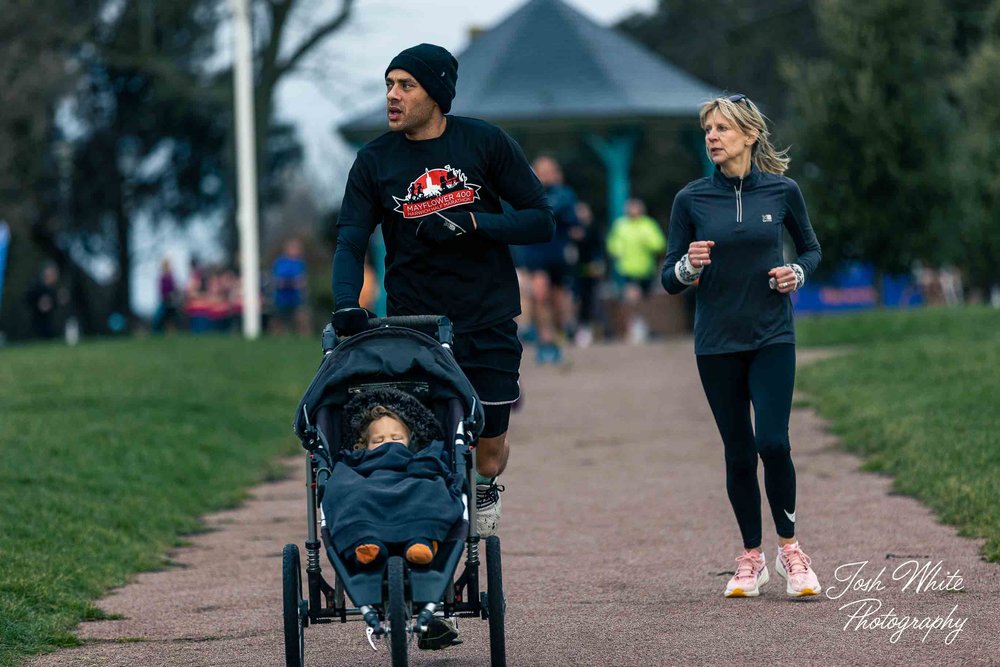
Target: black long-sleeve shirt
[
  {"x": 473, "y": 166},
  {"x": 736, "y": 310}
]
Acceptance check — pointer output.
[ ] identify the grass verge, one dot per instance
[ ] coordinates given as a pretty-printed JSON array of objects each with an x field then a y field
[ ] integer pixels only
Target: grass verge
[
  {"x": 918, "y": 399},
  {"x": 111, "y": 450}
]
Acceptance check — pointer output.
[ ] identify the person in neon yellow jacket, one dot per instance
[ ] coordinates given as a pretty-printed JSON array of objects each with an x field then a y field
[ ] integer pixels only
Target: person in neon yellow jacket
[{"x": 635, "y": 243}]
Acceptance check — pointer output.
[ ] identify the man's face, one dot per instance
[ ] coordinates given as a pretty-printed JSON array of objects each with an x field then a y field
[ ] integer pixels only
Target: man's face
[{"x": 408, "y": 106}]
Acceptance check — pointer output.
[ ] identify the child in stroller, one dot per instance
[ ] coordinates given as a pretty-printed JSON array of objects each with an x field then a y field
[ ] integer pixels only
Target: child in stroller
[
  {"x": 393, "y": 487},
  {"x": 402, "y": 600}
]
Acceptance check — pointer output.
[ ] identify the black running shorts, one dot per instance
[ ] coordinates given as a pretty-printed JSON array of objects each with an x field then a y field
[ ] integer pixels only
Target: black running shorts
[{"x": 491, "y": 359}]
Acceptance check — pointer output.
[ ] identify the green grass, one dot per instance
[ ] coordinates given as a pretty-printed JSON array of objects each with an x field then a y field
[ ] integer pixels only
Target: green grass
[
  {"x": 111, "y": 450},
  {"x": 918, "y": 397}
]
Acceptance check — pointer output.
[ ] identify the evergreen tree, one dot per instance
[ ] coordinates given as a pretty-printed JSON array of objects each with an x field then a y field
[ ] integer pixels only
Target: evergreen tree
[
  {"x": 977, "y": 162},
  {"x": 737, "y": 45},
  {"x": 874, "y": 127},
  {"x": 36, "y": 39},
  {"x": 734, "y": 46}
]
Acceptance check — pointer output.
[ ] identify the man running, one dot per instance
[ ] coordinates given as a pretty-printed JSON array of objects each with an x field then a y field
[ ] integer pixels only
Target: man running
[
  {"x": 436, "y": 182},
  {"x": 550, "y": 264}
]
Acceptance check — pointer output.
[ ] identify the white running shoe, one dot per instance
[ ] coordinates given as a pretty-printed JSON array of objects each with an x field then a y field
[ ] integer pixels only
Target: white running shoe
[
  {"x": 488, "y": 508},
  {"x": 751, "y": 574},
  {"x": 793, "y": 565}
]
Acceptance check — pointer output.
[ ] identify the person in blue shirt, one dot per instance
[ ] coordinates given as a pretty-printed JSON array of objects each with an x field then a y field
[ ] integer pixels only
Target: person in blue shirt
[
  {"x": 726, "y": 234},
  {"x": 288, "y": 276},
  {"x": 550, "y": 265}
]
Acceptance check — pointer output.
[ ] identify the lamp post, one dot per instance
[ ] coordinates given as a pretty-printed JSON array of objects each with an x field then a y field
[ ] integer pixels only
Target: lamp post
[{"x": 246, "y": 161}]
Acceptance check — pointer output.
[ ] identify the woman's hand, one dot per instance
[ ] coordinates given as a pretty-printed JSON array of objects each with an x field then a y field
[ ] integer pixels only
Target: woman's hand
[
  {"x": 699, "y": 254},
  {"x": 784, "y": 279}
]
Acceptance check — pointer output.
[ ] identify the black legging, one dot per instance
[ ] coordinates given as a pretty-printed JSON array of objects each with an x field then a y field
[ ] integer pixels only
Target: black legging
[{"x": 732, "y": 382}]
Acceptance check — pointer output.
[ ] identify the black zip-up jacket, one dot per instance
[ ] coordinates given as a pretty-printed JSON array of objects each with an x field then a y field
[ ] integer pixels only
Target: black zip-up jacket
[{"x": 736, "y": 310}]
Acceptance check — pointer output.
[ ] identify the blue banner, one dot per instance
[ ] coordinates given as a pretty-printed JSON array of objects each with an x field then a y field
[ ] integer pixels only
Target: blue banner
[
  {"x": 4, "y": 243},
  {"x": 853, "y": 287}
]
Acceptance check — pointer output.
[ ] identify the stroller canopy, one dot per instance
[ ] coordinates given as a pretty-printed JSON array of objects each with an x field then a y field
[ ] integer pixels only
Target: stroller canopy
[{"x": 387, "y": 354}]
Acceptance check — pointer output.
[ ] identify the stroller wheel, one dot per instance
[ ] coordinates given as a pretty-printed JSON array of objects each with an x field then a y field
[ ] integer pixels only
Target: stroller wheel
[
  {"x": 399, "y": 613},
  {"x": 496, "y": 602},
  {"x": 293, "y": 607}
]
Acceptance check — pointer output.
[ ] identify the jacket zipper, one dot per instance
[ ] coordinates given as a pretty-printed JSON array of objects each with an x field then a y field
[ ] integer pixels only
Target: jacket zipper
[{"x": 739, "y": 202}]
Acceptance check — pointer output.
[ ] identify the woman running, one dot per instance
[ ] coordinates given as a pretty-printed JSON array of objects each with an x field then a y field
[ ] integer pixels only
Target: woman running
[{"x": 726, "y": 234}]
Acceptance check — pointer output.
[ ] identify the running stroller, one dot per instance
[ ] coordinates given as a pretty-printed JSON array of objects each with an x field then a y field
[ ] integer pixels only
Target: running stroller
[{"x": 398, "y": 600}]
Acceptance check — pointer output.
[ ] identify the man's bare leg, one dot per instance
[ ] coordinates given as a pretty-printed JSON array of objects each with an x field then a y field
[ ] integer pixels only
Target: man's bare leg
[
  {"x": 545, "y": 319},
  {"x": 491, "y": 455},
  {"x": 565, "y": 308},
  {"x": 542, "y": 307},
  {"x": 525, "y": 319}
]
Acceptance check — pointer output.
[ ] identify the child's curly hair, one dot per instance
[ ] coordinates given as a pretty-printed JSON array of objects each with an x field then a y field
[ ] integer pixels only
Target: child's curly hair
[
  {"x": 368, "y": 417},
  {"x": 369, "y": 406}
]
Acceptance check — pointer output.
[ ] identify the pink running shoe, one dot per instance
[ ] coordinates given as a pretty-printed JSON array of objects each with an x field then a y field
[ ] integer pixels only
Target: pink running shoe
[
  {"x": 751, "y": 574},
  {"x": 793, "y": 565}
]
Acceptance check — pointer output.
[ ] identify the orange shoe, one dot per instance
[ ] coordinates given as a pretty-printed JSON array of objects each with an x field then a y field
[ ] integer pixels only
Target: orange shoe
[
  {"x": 419, "y": 552},
  {"x": 369, "y": 552}
]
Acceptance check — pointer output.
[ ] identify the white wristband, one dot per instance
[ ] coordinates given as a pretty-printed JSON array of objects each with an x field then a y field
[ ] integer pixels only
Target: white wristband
[
  {"x": 800, "y": 276},
  {"x": 685, "y": 273}
]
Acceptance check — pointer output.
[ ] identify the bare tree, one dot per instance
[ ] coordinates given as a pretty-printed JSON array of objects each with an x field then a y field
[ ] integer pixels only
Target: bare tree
[{"x": 157, "y": 61}]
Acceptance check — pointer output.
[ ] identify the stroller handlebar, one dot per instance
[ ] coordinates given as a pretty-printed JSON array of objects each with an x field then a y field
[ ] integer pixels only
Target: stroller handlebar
[
  {"x": 437, "y": 326},
  {"x": 429, "y": 324}
]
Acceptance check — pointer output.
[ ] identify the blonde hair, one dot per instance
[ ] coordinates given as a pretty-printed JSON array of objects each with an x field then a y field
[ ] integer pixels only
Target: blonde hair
[
  {"x": 745, "y": 115},
  {"x": 368, "y": 417}
]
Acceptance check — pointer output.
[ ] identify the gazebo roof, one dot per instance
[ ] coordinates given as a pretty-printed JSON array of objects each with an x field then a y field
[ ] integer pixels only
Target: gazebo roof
[{"x": 549, "y": 62}]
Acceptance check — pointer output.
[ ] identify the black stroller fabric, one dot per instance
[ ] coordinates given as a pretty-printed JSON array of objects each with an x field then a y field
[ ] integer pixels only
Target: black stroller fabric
[
  {"x": 416, "y": 494},
  {"x": 392, "y": 494},
  {"x": 388, "y": 353}
]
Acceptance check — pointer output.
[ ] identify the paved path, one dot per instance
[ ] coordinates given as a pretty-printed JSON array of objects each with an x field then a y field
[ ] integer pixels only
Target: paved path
[{"x": 618, "y": 541}]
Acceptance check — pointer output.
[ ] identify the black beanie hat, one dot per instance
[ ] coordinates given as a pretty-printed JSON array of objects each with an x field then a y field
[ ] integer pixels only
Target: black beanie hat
[{"x": 434, "y": 67}]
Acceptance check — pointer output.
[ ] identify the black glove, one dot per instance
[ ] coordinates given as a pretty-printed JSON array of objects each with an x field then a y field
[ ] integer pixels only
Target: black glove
[
  {"x": 441, "y": 228},
  {"x": 349, "y": 321}
]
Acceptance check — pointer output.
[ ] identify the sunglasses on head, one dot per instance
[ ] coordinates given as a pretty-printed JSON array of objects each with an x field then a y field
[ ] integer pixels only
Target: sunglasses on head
[{"x": 739, "y": 98}]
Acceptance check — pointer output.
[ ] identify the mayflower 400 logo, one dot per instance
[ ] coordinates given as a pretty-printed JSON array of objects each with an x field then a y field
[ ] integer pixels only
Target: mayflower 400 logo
[{"x": 436, "y": 190}]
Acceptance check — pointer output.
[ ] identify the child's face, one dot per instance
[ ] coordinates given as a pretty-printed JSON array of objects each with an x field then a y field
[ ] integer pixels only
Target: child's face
[{"x": 387, "y": 429}]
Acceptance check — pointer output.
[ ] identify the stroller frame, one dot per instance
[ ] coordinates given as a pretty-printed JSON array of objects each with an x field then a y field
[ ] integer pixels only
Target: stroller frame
[{"x": 327, "y": 603}]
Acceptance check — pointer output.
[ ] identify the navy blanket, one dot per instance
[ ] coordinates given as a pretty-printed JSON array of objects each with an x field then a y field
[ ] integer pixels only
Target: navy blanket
[{"x": 391, "y": 494}]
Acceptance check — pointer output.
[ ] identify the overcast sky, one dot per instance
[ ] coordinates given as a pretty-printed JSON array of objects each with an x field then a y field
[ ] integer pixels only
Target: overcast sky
[{"x": 346, "y": 75}]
